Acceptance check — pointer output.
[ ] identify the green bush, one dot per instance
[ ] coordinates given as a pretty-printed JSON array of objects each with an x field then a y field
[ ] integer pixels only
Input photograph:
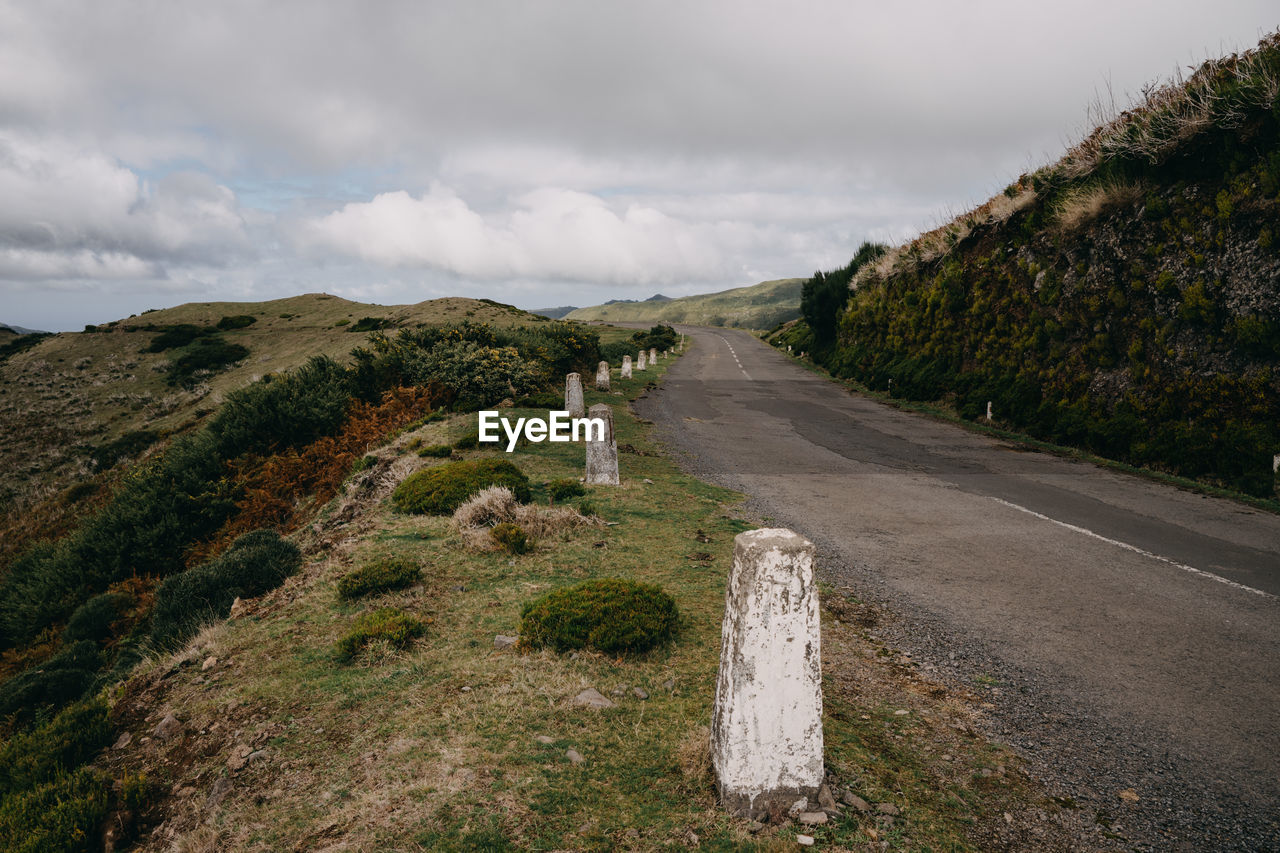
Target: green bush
[
  {"x": 435, "y": 451},
  {"x": 609, "y": 615},
  {"x": 173, "y": 337},
  {"x": 510, "y": 537},
  {"x": 387, "y": 623},
  {"x": 441, "y": 490},
  {"x": 377, "y": 577},
  {"x": 561, "y": 490},
  {"x": 547, "y": 400},
  {"x": 70, "y": 739},
  {"x": 256, "y": 563},
  {"x": 93, "y": 619},
  {"x": 369, "y": 324},
  {"x": 60, "y": 816},
  {"x": 129, "y": 445},
  {"x": 61, "y": 679},
  {"x": 236, "y": 321},
  {"x": 210, "y": 353}
]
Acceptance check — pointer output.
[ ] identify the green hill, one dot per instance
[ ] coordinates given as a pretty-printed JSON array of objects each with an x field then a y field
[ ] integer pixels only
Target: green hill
[
  {"x": 760, "y": 306},
  {"x": 1125, "y": 300}
]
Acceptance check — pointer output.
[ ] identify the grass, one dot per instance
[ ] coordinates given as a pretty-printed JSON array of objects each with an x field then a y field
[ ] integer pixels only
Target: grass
[
  {"x": 760, "y": 306},
  {"x": 450, "y": 743}
]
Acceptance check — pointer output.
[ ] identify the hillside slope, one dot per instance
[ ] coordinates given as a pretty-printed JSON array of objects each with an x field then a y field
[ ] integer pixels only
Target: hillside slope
[
  {"x": 1125, "y": 299},
  {"x": 760, "y": 306}
]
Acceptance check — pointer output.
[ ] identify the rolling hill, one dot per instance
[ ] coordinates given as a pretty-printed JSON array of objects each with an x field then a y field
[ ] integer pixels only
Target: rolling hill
[{"x": 760, "y": 306}]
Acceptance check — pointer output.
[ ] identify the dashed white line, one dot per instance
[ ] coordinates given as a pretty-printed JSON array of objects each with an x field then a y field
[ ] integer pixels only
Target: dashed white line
[
  {"x": 1135, "y": 549},
  {"x": 735, "y": 357}
]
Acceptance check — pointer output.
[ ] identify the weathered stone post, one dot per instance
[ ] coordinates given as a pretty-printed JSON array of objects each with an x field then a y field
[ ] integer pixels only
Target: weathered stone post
[
  {"x": 626, "y": 367},
  {"x": 988, "y": 410},
  {"x": 573, "y": 396},
  {"x": 602, "y": 376},
  {"x": 602, "y": 456},
  {"x": 766, "y": 726},
  {"x": 653, "y": 355},
  {"x": 640, "y": 361}
]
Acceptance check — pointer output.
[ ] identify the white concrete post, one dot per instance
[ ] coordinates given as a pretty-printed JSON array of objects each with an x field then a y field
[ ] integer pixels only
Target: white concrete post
[
  {"x": 602, "y": 376},
  {"x": 1275, "y": 464},
  {"x": 788, "y": 347},
  {"x": 573, "y": 396},
  {"x": 766, "y": 725},
  {"x": 602, "y": 456},
  {"x": 653, "y": 355},
  {"x": 988, "y": 410},
  {"x": 626, "y": 367},
  {"x": 640, "y": 361}
]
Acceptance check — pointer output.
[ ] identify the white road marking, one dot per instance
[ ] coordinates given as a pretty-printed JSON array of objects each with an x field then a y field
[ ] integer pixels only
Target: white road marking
[
  {"x": 1135, "y": 549},
  {"x": 735, "y": 357}
]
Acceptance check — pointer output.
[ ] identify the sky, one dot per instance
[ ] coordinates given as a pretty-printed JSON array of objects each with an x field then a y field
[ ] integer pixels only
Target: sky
[{"x": 537, "y": 153}]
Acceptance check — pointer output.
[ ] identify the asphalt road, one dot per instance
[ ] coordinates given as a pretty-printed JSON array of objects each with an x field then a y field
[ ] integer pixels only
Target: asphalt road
[{"x": 1127, "y": 632}]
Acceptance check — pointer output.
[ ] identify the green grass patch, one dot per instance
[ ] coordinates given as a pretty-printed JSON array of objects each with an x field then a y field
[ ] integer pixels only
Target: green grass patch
[
  {"x": 379, "y": 576},
  {"x": 443, "y": 489},
  {"x": 609, "y": 615},
  {"x": 388, "y": 624}
]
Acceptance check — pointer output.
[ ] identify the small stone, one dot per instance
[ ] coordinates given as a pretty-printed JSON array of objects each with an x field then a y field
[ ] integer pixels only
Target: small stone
[
  {"x": 168, "y": 727},
  {"x": 461, "y": 587},
  {"x": 466, "y": 688},
  {"x": 804, "y": 840},
  {"x": 669, "y": 684},
  {"x": 592, "y": 698},
  {"x": 887, "y": 808},
  {"x": 754, "y": 827},
  {"x": 825, "y": 799},
  {"x": 640, "y": 693},
  {"x": 1008, "y": 818},
  {"x": 798, "y": 806},
  {"x": 238, "y": 608},
  {"x": 852, "y": 799},
  {"x": 502, "y": 641},
  {"x": 544, "y": 739},
  {"x": 620, "y": 690},
  {"x": 574, "y": 756},
  {"x": 901, "y": 713},
  {"x": 812, "y": 818},
  {"x": 221, "y": 787},
  {"x": 209, "y": 663},
  {"x": 123, "y": 741},
  {"x": 633, "y": 833},
  {"x": 239, "y": 756},
  {"x": 1129, "y": 795},
  {"x": 647, "y": 480}
]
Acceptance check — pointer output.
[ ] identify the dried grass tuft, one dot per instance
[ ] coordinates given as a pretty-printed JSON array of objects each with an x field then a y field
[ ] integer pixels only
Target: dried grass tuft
[
  {"x": 1085, "y": 204},
  {"x": 475, "y": 519}
]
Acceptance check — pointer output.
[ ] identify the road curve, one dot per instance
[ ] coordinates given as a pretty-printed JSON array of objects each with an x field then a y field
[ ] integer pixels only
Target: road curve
[{"x": 1127, "y": 632}]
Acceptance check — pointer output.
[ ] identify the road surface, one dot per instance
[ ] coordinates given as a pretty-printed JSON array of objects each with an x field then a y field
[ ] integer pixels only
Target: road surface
[{"x": 1128, "y": 632}]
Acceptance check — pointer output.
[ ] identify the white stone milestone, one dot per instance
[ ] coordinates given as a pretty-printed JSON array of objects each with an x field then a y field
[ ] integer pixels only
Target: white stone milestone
[
  {"x": 766, "y": 725},
  {"x": 573, "y": 396},
  {"x": 626, "y": 367},
  {"x": 640, "y": 361},
  {"x": 602, "y": 376},
  {"x": 653, "y": 355},
  {"x": 602, "y": 456}
]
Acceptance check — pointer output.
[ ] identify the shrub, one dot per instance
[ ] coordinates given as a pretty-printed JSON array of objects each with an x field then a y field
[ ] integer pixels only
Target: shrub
[
  {"x": 435, "y": 451},
  {"x": 93, "y": 619},
  {"x": 369, "y": 324},
  {"x": 609, "y": 615},
  {"x": 256, "y": 563},
  {"x": 211, "y": 353},
  {"x": 441, "y": 490},
  {"x": 588, "y": 510},
  {"x": 61, "y": 816},
  {"x": 561, "y": 490},
  {"x": 548, "y": 400},
  {"x": 129, "y": 445},
  {"x": 61, "y": 679},
  {"x": 387, "y": 623},
  {"x": 510, "y": 538},
  {"x": 172, "y": 337},
  {"x": 479, "y": 516},
  {"x": 377, "y": 577},
  {"x": 64, "y": 743},
  {"x": 236, "y": 321}
]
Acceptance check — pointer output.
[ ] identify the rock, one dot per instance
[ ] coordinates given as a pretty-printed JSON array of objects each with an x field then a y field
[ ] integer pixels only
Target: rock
[
  {"x": 669, "y": 684},
  {"x": 812, "y": 818},
  {"x": 168, "y": 728},
  {"x": 639, "y": 693},
  {"x": 466, "y": 688},
  {"x": 647, "y": 480},
  {"x": 852, "y": 799},
  {"x": 901, "y": 713},
  {"x": 1129, "y": 795},
  {"x": 633, "y": 833},
  {"x": 574, "y": 756},
  {"x": 887, "y": 808},
  {"x": 545, "y": 740},
  {"x": 754, "y": 827},
  {"x": 798, "y": 806},
  {"x": 256, "y": 756},
  {"x": 123, "y": 741},
  {"x": 238, "y": 608},
  {"x": 804, "y": 840},
  {"x": 221, "y": 787},
  {"x": 591, "y": 698},
  {"x": 209, "y": 663},
  {"x": 239, "y": 757},
  {"x": 502, "y": 641},
  {"x": 825, "y": 800},
  {"x": 620, "y": 690}
]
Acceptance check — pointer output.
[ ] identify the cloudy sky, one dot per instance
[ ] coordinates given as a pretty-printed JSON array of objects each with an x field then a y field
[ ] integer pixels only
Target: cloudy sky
[{"x": 538, "y": 153}]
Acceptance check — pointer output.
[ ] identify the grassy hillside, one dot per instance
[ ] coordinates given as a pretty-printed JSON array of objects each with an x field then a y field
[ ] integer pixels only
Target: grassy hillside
[
  {"x": 1125, "y": 299},
  {"x": 76, "y": 402},
  {"x": 760, "y": 306}
]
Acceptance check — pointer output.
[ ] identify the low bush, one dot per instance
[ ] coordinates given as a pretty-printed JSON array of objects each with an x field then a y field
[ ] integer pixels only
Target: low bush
[
  {"x": 210, "y": 353},
  {"x": 609, "y": 615},
  {"x": 70, "y": 739},
  {"x": 387, "y": 623},
  {"x": 127, "y": 446},
  {"x": 173, "y": 337},
  {"x": 435, "y": 451},
  {"x": 469, "y": 441},
  {"x": 543, "y": 401},
  {"x": 478, "y": 518},
  {"x": 236, "y": 321},
  {"x": 510, "y": 538},
  {"x": 369, "y": 324},
  {"x": 93, "y": 620},
  {"x": 441, "y": 490},
  {"x": 61, "y": 679},
  {"x": 60, "y": 816},
  {"x": 256, "y": 563},
  {"x": 378, "y": 577},
  {"x": 561, "y": 490}
]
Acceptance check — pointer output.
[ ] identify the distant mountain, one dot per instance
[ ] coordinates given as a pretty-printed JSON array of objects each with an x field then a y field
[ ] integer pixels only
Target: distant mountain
[
  {"x": 760, "y": 306},
  {"x": 20, "y": 330},
  {"x": 553, "y": 313}
]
